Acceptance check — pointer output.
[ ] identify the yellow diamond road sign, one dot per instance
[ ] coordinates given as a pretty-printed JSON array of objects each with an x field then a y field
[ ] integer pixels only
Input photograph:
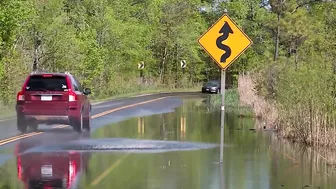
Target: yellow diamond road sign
[{"x": 225, "y": 41}]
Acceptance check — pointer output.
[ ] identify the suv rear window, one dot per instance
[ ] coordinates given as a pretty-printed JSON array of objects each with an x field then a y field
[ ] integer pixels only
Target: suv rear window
[
  {"x": 50, "y": 83},
  {"x": 212, "y": 83}
]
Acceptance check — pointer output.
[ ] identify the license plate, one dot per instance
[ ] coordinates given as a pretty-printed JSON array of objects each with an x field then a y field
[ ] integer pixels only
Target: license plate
[
  {"x": 207, "y": 89},
  {"x": 46, "y": 98},
  {"x": 46, "y": 170}
]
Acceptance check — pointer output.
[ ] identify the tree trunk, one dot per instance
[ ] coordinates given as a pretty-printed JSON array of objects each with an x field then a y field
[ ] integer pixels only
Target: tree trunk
[
  {"x": 37, "y": 44},
  {"x": 276, "y": 53},
  {"x": 162, "y": 70}
]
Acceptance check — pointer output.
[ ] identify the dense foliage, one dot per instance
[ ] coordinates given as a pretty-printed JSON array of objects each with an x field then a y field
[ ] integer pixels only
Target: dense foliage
[
  {"x": 301, "y": 79},
  {"x": 101, "y": 42}
]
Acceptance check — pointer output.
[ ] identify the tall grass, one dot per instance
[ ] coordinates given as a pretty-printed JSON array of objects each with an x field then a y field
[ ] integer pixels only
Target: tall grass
[
  {"x": 264, "y": 110},
  {"x": 306, "y": 103},
  {"x": 6, "y": 111},
  {"x": 300, "y": 103}
]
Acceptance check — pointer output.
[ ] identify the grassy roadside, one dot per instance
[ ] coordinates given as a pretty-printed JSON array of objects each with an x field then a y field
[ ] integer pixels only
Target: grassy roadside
[
  {"x": 232, "y": 103},
  {"x": 144, "y": 92},
  {"x": 7, "y": 112}
]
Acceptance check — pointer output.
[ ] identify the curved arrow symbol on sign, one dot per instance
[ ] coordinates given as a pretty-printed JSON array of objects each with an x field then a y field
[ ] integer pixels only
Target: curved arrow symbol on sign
[
  {"x": 225, "y": 31},
  {"x": 141, "y": 65},
  {"x": 183, "y": 64}
]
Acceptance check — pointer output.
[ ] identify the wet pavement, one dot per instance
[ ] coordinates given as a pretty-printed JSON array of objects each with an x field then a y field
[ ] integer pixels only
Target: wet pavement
[{"x": 167, "y": 144}]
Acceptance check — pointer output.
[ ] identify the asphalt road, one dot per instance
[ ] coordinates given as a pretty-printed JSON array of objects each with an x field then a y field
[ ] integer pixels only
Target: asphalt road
[{"x": 104, "y": 113}]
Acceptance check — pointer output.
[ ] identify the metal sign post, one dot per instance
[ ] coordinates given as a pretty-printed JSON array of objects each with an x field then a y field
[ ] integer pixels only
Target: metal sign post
[
  {"x": 223, "y": 74},
  {"x": 221, "y": 176},
  {"x": 141, "y": 74},
  {"x": 141, "y": 66}
]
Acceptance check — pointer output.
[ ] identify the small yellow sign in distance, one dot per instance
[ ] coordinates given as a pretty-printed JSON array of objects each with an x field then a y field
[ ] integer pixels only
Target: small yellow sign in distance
[{"x": 224, "y": 41}]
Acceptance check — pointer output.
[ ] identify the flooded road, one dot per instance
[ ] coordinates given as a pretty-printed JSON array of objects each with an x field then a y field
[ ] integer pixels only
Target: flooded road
[{"x": 175, "y": 150}]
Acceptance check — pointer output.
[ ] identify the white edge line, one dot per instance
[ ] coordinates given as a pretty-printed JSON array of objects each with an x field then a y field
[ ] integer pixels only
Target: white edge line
[
  {"x": 10, "y": 119},
  {"x": 97, "y": 103}
]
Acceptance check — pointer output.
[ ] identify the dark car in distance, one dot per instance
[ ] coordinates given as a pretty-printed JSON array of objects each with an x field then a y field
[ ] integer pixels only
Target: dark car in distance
[
  {"x": 53, "y": 98},
  {"x": 213, "y": 86}
]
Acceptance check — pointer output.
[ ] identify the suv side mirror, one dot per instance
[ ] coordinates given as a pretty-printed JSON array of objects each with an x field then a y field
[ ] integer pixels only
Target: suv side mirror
[{"x": 87, "y": 91}]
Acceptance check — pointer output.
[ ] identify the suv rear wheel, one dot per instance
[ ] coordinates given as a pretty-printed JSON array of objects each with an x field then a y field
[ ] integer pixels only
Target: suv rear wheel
[
  {"x": 78, "y": 125},
  {"x": 87, "y": 122},
  {"x": 21, "y": 124},
  {"x": 33, "y": 126}
]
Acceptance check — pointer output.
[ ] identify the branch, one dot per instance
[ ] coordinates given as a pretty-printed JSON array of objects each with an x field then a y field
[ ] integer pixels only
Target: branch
[
  {"x": 307, "y": 3},
  {"x": 137, "y": 2}
]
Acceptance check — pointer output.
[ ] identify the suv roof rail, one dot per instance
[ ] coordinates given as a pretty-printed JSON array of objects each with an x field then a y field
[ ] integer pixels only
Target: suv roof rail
[{"x": 36, "y": 72}]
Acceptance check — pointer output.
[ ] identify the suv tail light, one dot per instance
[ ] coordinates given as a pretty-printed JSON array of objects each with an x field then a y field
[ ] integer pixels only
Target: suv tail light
[
  {"x": 19, "y": 167},
  {"x": 20, "y": 96},
  {"x": 72, "y": 172},
  {"x": 47, "y": 75},
  {"x": 72, "y": 96}
]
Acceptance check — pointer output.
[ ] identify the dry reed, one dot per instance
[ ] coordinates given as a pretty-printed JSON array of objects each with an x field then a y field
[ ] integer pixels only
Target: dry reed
[{"x": 264, "y": 110}]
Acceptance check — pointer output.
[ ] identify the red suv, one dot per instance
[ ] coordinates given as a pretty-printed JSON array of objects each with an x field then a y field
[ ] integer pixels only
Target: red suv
[{"x": 53, "y": 98}]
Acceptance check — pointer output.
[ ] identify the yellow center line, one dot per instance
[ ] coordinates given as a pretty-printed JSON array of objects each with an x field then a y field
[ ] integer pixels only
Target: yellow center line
[
  {"x": 15, "y": 138},
  {"x": 18, "y": 138},
  {"x": 125, "y": 107},
  {"x": 109, "y": 170},
  {"x": 4, "y": 140}
]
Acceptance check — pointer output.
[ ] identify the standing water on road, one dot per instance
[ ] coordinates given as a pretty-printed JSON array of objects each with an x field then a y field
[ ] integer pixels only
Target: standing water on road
[{"x": 252, "y": 159}]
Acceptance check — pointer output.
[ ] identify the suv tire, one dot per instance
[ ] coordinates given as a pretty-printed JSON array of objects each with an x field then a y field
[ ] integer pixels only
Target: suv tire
[
  {"x": 33, "y": 126},
  {"x": 21, "y": 124},
  {"x": 78, "y": 125},
  {"x": 87, "y": 122}
]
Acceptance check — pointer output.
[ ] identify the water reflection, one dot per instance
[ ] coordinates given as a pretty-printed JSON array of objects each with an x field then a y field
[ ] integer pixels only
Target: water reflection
[
  {"x": 165, "y": 170},
  {"x": 50, "y": 169},
  {"x": 311, "y": 165}
]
